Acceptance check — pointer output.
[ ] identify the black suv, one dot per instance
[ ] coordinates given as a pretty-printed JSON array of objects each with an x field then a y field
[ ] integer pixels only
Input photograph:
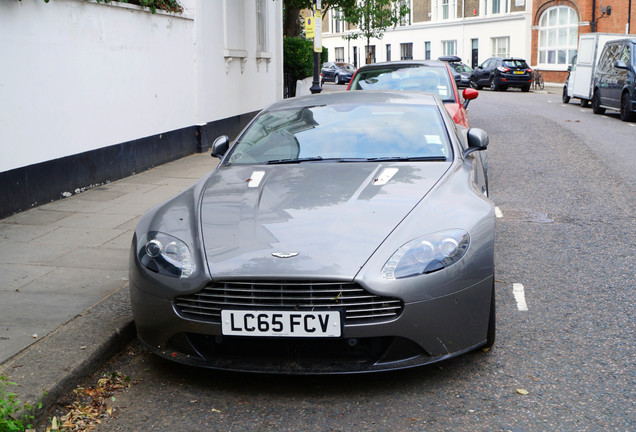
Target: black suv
[
  {"x": 500, "y": 73},
  {"x": 615, "y": 79}
]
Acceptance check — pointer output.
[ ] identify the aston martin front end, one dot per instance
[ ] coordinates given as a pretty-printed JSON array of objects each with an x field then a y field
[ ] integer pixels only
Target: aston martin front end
[{"x": 346, "y": 232}]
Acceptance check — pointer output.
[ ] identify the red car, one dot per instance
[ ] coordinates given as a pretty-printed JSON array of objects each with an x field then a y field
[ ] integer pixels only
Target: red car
[{"x": 428, "y": 76}]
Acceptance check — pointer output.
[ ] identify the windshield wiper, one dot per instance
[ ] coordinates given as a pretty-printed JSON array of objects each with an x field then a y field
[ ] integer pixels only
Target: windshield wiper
[
  {"x": 291, "y": 161},
  {"x": 409, "y": 159}
]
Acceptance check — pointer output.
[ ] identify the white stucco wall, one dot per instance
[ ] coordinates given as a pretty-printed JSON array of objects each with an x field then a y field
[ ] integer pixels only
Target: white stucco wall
[{"x": 79, "y": 75}]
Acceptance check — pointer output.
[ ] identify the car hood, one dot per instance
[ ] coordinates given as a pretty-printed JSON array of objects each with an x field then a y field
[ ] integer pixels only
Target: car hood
[{"x": 322, "y": 220}]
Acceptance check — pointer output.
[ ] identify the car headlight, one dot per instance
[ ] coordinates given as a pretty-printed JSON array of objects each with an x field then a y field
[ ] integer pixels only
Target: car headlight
[
  {"x": 166, "y": 255},
  {"x": 427, "y": 254}
]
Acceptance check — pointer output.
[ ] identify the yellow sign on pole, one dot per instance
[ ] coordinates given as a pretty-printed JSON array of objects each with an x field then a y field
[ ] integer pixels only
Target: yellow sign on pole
[
  {"x": 310, "y": 27},
  {"x": 318, "y": 30}
]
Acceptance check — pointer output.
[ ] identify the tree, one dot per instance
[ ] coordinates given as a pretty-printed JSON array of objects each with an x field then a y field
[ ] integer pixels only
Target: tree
[
  {"x": 372, "y": 18},
  {"x": 292, "y": 8}
]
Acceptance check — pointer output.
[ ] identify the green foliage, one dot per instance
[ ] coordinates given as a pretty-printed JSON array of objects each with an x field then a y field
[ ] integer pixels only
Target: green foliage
[
  {"x": 298, "y": 58},
  {"x": 14, "y": 416},
  {"x": 373, "y": 17}
]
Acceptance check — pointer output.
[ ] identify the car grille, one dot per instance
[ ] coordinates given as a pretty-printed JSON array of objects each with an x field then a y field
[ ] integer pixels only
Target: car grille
[{"x": 361, "y": 307}]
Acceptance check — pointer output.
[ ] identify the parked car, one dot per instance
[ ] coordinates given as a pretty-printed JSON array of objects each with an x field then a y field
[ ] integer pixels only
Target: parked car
[
  {"x": 500, "y": 73},
  {"x": 615, "y": 79},
  {"x": 461, "y": 71},
  {"x": 338, "y": 72},
  {"x": 426, "y": 76},
  {"x": 341, "y": 232}
]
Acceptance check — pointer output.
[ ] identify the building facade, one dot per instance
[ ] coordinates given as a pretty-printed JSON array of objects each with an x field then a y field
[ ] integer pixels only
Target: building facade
[
  {"x": 91, "y": 92},
  {"x": 545, "y": 33},
  {"x": 557, "y": 24},
  {"x": 471, "y": 29}
]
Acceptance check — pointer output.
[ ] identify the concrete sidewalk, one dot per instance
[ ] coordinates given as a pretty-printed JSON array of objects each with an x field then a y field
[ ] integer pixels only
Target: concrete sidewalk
[{"x": 64, "y": 305}]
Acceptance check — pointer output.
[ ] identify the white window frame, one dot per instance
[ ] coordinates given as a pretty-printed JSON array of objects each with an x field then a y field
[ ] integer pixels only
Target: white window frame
[
  {"x": 557, "y": 37},
  {"x": 449, "y": 47},
  {"x": 440, "y": 6},
  {"x": 494, "y": 7},
  {"x": 337, "y": 23},
  {"x": 500, "y": 46}
]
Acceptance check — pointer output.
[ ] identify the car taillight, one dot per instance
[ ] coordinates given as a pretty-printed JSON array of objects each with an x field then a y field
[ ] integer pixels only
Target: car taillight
[
  {"x": 503, "y": 69},
  {"x": 529, "y": 70}
]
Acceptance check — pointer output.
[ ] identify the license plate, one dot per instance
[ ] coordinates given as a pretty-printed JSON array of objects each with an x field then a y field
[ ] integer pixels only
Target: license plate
[
  {"x": 518, "y": 72},
  {"x": 281, "y": 323}
]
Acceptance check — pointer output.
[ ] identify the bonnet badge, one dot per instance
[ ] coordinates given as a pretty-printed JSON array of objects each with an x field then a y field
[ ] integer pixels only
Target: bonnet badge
[{"x": 284, "y": 254}]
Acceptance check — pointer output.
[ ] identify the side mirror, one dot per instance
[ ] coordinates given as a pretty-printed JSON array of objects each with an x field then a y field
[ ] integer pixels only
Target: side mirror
[
  {"x": 620, "y": 64},
  {"x": 477, "y": 141},
  {"x": 220, "y": 146},
  {"x": 469, "y": 94}
]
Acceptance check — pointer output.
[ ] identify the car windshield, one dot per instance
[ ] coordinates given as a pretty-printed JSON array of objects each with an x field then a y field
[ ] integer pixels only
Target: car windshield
[
  {"x": 346, "y": 66},
  {"x": 344, "y": 133},
  {"x": 515, "y": 64},
  {"x": 461, "y": 67},
  {"x": 410, "y": 78}
]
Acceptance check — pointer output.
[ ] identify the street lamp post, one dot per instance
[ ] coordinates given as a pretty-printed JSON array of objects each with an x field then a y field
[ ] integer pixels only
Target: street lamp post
[{"x": 315, "y": 85}]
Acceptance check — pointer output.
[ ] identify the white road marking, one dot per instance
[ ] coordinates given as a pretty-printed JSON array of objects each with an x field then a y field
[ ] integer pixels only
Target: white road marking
[
  {"x": 520, "y": 297},
  {"x": 498, "y": 212}
]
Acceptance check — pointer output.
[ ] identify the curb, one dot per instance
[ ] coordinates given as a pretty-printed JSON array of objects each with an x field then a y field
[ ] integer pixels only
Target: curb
[{"x": 49, "y": 369}]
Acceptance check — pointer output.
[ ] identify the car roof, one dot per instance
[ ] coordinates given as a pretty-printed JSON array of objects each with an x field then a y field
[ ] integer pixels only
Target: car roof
[
  {"x": 358, "y": 97},
  {"x": 452, "y": 59},
  {"x": 404, "y": 63}
]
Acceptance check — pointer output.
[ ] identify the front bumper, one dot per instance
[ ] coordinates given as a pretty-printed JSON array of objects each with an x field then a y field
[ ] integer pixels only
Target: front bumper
[{"x": 425, "y": 332}]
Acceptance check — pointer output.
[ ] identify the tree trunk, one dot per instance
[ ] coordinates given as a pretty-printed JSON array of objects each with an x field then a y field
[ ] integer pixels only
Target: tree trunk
[{"x": 291, "y": 24}]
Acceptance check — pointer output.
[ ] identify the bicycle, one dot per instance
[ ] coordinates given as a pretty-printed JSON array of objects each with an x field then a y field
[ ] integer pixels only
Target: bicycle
[{"x": 537, "y": 80}]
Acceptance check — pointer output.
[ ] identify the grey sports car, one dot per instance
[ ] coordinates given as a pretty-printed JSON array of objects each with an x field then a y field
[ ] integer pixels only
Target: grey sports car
[{"x": 345, "y": 232}]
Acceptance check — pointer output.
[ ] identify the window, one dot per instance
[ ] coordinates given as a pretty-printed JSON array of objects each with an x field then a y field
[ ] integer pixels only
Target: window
[
  {"x": 406, "y": 19},
  {"x": 370, "y": 54},
  {"x": 406, "y": 51},
  {"x": 443, "y": 9},
  {"x": 558, "y": 35},
  {"x": 388, "y": 52},
  {"x": 338, "y": 23},
  {"x": 427, "y": 50},
  {"x": 501, "y": 46},
  {"x": 261, "y": 24},
  {"x": 493, "y": 7},
  {"x": 340, "y": 54},
  {"x": 449, "y": 47}
]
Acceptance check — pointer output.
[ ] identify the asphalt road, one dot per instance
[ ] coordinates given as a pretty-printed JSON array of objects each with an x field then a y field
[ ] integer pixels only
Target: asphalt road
[{"x": 564, "y": 183}]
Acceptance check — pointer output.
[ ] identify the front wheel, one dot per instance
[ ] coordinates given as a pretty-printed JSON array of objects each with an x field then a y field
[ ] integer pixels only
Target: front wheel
[
  {"x": 596, "y": 104},
  {"x": 626, "y": 114},
  {"x": 565, "y": 98},
  {"x": 540, "y": 82},
  {"x": 474, "y": 85},
  {"x": 336, "y": 80}
]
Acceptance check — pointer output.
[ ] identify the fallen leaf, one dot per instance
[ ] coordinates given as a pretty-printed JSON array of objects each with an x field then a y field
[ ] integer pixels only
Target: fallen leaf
[
  {"x": 522, "y": 391},
  {"x": 215, "y": 410}
]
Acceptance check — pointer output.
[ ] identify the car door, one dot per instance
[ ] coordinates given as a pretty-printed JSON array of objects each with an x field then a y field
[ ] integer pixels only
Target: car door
[
  {"x": 619, "y": 76},
  {"x": 486, "y": 71}
]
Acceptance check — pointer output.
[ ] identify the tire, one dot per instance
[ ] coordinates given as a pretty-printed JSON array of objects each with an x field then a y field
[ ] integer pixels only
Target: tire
[
  {"x": 584, "y": 103},
  {"x": 336, "y": 80},
  {"x": 540, "y": 83},
  {"x": 474, "y": 85},
  {"x": 565, "y": 98},
  {"x": 596, "y": 103},
  {"x": 492, "y": 322},
  {"x": 626, "y": 114},
  {"x": 493, "y": 85},
  {"x": 525, "y": 89}
]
